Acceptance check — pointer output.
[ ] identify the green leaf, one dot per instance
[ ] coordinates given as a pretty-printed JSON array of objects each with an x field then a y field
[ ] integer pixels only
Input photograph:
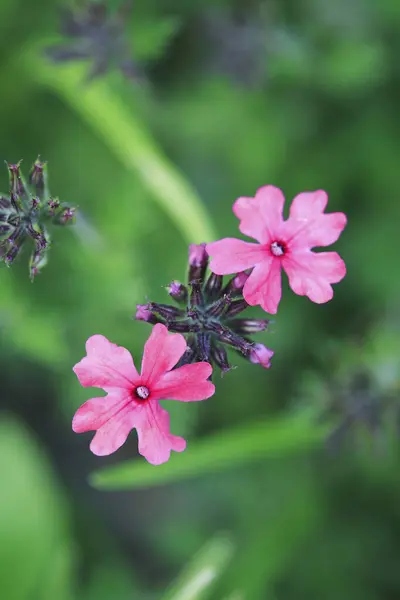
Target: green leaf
[
  {"x": 125, "y": 135},
  {"x": 35, "y": 556},
  {"x": 198, "y": 578},
  {"x": 244, "y": 444}
]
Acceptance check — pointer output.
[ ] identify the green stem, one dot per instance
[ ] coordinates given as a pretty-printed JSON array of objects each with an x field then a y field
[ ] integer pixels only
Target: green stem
[{"x": 128, "y": 139}]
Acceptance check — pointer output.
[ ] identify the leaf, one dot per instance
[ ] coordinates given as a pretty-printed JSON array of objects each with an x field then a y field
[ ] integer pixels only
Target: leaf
[
  {"x": 197, "y": 579},
  {"x": 34, "y": 553},
  {"x": 224, "y": 450},
  {"x": 128, "y": 139}
]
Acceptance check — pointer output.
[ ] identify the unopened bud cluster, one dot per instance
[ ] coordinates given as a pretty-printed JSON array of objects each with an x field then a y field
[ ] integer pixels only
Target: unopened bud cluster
[
  {"x": 205, "y": 313},
  {"x": 97, "y": 34},
  {"x": 24, "y": 213}
]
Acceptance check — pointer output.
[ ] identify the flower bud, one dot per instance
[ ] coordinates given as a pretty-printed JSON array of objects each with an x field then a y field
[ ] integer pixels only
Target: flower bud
[
  {"x": 262, "y": 355},
  {"x": 178, "y": 291},
  {"x": 213, "y": 286},
  {"x": 220, "y": 357},
  {"x": 143, "y": 313},
  {"x": 165, "y": 310},
  {"x": 248, "y": 326},
  {"x": 198, "y": 261},
  {"x": 37, "y": 177}
]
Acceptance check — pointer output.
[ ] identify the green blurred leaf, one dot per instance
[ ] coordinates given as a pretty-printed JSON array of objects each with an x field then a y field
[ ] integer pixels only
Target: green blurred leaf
[
  {"x": 150, "y": 37},
  {"x": 35, "y": 558},
  {"x": 128, "y": 138},
  {"x": 224, "y": 450},
  {"x": 197, "y": 579}
]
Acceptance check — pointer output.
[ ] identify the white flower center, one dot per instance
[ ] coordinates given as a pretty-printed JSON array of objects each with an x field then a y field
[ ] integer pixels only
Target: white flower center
[
  {"x": 142, "y": 392},
  {"x": 277, "y": 248}
]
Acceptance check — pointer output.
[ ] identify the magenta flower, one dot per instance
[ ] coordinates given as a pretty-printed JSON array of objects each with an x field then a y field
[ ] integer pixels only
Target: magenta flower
[
  {"x": 282, "y": 245},
  {"x": 132, "y": 400}
]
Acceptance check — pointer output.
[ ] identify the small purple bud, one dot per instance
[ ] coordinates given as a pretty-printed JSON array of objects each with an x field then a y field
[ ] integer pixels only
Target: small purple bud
[
  {"x": 144, "y": 314},
  {"x": 65, "y": 217},
  {"x": 53, "y": 205},
  {"x": 198, "y": 260},
  {"x": 262, "y": 355},
  {"x": 178, "y": 291},
  {"x": 198, "y": 256},
  {"x": 248, "y": 326},
  {"x": 239, "y": 281}
]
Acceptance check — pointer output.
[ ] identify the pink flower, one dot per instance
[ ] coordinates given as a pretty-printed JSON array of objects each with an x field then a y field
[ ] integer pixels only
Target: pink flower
[
  {"x": 282, "y": 245},
  {"x": 132, "y": 400}
]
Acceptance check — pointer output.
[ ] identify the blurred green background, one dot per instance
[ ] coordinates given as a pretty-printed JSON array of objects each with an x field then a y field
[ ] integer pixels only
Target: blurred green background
[{"x": 302, "y": 94}]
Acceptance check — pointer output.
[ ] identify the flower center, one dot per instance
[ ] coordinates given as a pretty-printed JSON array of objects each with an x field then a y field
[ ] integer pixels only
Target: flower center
[
  {"x": 278, "y": 248},
  {"x": 142, "y": 393}
]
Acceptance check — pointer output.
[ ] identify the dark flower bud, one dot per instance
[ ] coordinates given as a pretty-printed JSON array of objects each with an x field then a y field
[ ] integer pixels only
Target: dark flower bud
[
  {"x": 17, "y": 186},
  {"x": 37, "y": 177},
  {"x": 5, "y": 230},
  {"x": 235, "y": 285},
  {"x": 198, "y": 261},
  {"x": 213, "y": 286},
  {"x": 226, "y": 336},
  {"x": 165, "y": 310},
  {"x": 189, "y": 355},
  {"x": 4, "y": 203},
  {"x": 12, "y": 253},
  {"x": 180, "y": 326},
  {"x": 220, "y": 357},
  {"x": 248, "y": 326},
  {"x": 219, "y": 306},
  {"x": 204, "y": 346},
  {"x": 236, "y": 307},
  {"x": 196, "y": 296},
  {"x": 178, "y": 291}
]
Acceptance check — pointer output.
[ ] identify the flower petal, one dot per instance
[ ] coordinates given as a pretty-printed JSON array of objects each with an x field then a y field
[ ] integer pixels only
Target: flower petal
[
  {"x": 106, "y": 365},
  {"x": 161, "y": 352},
  {"x": 271, "y": 201},
  {"x": 247, "y": 210},
  {"x": 186, "y": 383},
  {"x": 112, "y": 435},
  {"x": 264, "y": 285},
  {"x": 311, "y": 274},
  {"x": 94, "y": 413},
  {"x": 231, "y": 255},
  {"x": 155, "y": 439},
  {"x": 308, "y": 226}
]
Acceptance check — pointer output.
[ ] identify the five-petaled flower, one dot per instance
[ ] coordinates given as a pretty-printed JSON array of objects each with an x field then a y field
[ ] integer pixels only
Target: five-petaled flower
[
  {"x": 282, "y": 245},
  {"x": 132, "y": 399}
]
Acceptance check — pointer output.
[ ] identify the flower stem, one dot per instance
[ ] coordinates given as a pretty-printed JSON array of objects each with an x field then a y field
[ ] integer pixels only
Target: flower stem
[{"x": 127, "y": 137}]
